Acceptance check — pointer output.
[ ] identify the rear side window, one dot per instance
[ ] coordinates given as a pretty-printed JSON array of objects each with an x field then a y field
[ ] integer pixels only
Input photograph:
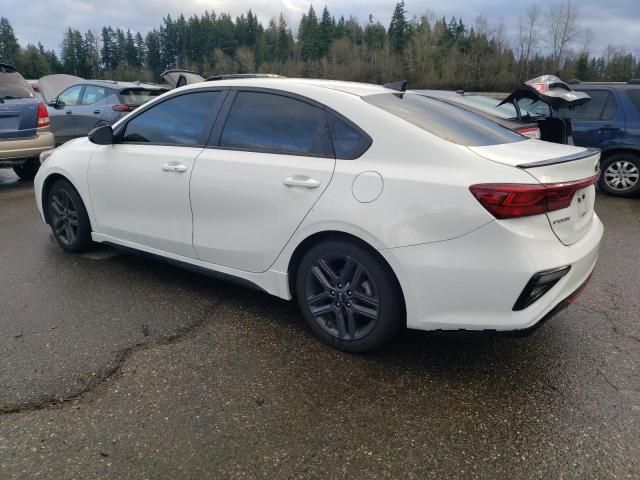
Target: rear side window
[
  {"x": 634, "y": 96},
  {"x": 93, "y": 94},
  {"x": 138, "y": 96},
  {"x": 349, "y": 142},
  {"x": 602, "y": 106},
  {"x": 12, "y": 85},
  {"x": 272, "y": 123},
  {"x": 449, "y": 122},
  {"x": 184, "y": 120}
]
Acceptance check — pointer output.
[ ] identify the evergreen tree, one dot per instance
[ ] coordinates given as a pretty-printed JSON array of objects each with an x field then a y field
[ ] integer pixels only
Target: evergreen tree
[
  {"x": 399, "y": 28},
  {"x": 309, "y": 36},
  {"x": 9, "y": 47}
]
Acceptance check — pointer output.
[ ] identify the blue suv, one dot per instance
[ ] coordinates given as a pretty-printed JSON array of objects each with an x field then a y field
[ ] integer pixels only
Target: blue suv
[{"x": 611, "y": 122}]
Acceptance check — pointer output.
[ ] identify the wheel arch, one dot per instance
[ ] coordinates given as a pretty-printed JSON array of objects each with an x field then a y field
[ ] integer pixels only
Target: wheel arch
[
  {"x": 307, "y": 243},
  {"x": 615, "y": 149},
  {"x": 46, "y": 186}
]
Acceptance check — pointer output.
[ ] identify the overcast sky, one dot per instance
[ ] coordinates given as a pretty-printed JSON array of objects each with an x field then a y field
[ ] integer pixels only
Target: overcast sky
[{"x": 614, "y": 22}]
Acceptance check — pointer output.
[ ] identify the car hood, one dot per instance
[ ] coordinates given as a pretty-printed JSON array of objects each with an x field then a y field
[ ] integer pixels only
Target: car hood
[
  {"x": 548, "y": 89},
  {"x": 180, "y": 78},
  {"x": 52, "y": 85}
]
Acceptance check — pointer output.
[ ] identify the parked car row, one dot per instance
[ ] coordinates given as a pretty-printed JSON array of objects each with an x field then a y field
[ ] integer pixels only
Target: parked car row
[
  {"x": 602, "y": 115},
  {"x": 37, "y": 115}
]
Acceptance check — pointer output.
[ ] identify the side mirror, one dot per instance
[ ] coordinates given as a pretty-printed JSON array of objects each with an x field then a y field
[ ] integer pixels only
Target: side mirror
[
  {"x": 55, "y": 103},
  {"x": 102, "y": 135}
]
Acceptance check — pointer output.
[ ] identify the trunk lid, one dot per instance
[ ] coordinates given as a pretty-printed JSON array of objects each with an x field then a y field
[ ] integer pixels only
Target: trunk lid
[
  {"x": 551, "y": 163},
  {"x": 179, "y": 78}
]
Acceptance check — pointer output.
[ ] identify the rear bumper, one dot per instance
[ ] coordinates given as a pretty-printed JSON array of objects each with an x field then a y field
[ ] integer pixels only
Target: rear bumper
[
  {"x": 15, "y": 151},
  {"x": 472, "y": 282}
]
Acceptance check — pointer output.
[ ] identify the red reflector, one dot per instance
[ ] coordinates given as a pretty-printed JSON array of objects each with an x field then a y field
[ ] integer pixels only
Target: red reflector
[
  {"x": 513, "y": 200},
  {"x": 529, "y": 132},
  {"x": 43, "y": 115},
  {"x": 123, "y": 108}
]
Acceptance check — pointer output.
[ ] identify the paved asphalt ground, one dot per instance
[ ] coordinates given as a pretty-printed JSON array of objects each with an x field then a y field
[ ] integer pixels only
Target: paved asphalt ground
[{"x": 113, "y": 365}]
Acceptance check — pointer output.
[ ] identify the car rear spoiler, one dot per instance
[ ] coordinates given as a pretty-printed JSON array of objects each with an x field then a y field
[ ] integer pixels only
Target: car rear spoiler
[{"x": 589, "y": 152}]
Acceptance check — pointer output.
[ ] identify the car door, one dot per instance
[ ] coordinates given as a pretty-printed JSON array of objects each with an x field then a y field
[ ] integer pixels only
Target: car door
[
  {"x": 270, "y": 159},
  {"x": 61, "y": 116},
  {"x": 139, "y": 186},
  {"x": 89, "y": 111},
  {"x": 598, "y": 123}
]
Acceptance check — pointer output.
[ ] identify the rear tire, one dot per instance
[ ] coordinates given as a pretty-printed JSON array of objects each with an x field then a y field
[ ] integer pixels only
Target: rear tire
[
  {"x": 28, "y": 170},
  {"x": 348, "y": 296},
  {"x": 68, "y": 217},
  {"x": 620, "y": 175}
]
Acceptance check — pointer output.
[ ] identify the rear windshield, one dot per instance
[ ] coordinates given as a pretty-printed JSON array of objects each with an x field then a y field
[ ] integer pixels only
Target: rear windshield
[
  {"x": 138, "y": 96},
  {"x": 449, "y": 122},
  {"x": 12, "y": 85}
]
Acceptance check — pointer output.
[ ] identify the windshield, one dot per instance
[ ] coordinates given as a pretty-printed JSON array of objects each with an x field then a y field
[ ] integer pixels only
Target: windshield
[
  {"x": 138, "y": 96},
  {"x": 449, "y": 122},
  {"x": 12, "y": 85}
]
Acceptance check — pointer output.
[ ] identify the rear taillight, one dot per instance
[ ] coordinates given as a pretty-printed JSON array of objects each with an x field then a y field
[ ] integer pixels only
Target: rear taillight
[
  {"x": 513, "y": 200},
  {"x": 43, "y": 115},
  {"x": 529, "y": 132},
  {"x": 123, "y": 108}
]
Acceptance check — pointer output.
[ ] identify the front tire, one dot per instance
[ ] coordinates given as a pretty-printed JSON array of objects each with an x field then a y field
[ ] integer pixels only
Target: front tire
[
  {"x": 620, "y": 175},
  {"x": 348, "y": 296},
  {"x": 68, "y": 217},
  {"x": 28, "y": 170}
]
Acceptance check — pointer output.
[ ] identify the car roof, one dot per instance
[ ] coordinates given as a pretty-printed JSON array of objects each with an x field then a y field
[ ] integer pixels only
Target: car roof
[
  {"x": 116, "y": 85},
  {"x": 281, "y": 83}
]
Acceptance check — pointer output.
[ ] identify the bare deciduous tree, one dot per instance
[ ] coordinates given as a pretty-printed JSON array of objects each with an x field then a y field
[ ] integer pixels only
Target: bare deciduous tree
[
  {"x": 562, "y": 27},
  {"x": 528, "y": 40}
]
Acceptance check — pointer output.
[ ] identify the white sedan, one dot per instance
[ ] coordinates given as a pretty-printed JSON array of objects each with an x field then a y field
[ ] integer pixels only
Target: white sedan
[{"x": 375, "y": 208}]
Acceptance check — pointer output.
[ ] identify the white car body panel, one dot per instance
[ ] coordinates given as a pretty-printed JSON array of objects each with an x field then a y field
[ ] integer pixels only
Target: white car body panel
[
  {"x": 458, "y": 267},
  {"x": 243, "y": 211}
]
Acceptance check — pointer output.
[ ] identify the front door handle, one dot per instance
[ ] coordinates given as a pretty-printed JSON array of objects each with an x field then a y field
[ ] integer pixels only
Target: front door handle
[
  {"x": 174, "y": 167},
  {"x": 68, "y": 112},
  {"x": 97, "y": 112},
  {"x": 300, "y": 181}
]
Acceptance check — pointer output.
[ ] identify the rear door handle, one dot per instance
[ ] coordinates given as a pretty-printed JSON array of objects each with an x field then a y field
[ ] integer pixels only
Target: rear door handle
[
  {"x": 97, "y": 112},
  {"x": 300, "y": 181},
  {"x": 68, "y": 112},
  {"x": 174, "y": 167}
]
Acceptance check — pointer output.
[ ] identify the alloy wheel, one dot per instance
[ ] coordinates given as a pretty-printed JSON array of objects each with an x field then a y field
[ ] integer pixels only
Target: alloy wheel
[
  {"x": 621, "y": 175},
  {"x": 64, "y": 217},
  {"x": 342, "y": 297}
]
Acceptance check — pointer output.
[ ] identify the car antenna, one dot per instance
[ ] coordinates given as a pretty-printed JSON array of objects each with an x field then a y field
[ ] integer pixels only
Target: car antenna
[{"x": 400, "y": 85}]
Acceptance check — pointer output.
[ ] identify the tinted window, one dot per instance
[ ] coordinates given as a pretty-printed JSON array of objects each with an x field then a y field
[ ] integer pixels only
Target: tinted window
[
  {"x": 71, "y": 96},
  {"x": 182, "y": 120},
  {"x": 93, "y": 94},
  {"x": 138, "y": 96},
  {"x": 634, "y": 96},
  {"x": 348, "y": 141},
  {"x": 13, "y": 85},
  {"x": 602, "y": 106},
  {"x": 274, "y": 123},
  {"x": 451, "y": 123}
]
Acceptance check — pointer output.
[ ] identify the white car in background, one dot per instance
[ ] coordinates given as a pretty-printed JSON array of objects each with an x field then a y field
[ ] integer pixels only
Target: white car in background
[{"x": 375, "y": 208}]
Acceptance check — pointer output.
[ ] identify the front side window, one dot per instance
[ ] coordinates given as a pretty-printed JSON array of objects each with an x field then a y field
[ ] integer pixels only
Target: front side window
[
  {"x": 274, "y": 123},
  {"x": 447, "y": 121},
  {"x": 93, "y": 94},
  {"x": 71, "y": 96},
  {"x": 184, "y": 120},
  {"x": 602, "y": 106}
]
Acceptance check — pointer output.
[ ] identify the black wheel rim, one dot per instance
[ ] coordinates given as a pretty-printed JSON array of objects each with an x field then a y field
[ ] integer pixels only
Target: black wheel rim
[
  {"x": 342, "y": 297},
  {"x": 64, "y": 217}
]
